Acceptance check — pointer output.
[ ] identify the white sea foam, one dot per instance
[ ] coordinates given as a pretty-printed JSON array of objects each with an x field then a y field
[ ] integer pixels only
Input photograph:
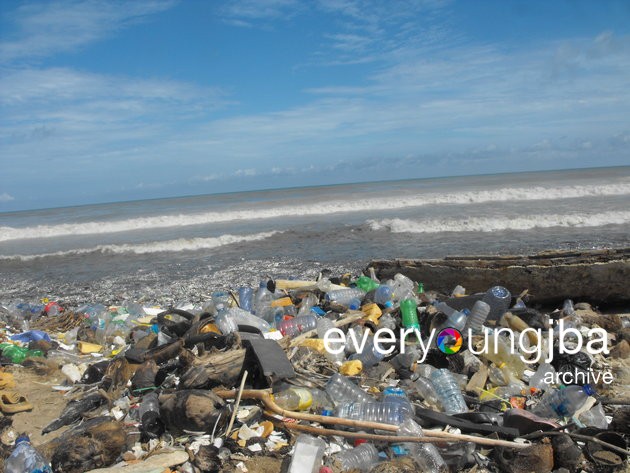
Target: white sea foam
[
  {"x": 495, "y": 224},
  {"x": 181, "y": 244},
  {"x": 317, "y": 208}
]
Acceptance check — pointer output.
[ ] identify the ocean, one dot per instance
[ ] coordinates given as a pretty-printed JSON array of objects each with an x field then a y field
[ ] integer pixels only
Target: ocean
[{"x": 181, "y": 249}]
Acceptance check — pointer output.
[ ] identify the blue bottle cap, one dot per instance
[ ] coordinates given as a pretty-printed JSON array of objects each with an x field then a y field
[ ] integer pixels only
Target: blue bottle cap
[
  {"x": 327, "y": 412},
  {"x": 22, "y": 438},
  {"x": 588, "y": 389}
]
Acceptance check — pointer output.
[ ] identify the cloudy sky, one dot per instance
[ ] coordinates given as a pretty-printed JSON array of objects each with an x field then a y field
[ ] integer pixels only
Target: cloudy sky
[{"x": 106, "y": 100}]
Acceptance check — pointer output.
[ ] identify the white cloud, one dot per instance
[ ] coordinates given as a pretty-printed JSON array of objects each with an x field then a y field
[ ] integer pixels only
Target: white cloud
[
  {"x": 4, "y": 197},
  {"x": 52, "y": 27}
]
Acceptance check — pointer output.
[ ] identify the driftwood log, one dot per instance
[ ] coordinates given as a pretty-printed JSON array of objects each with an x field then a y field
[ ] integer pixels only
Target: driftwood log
[
  {"x": 598, "y": 276},
  {"x": 214, "y": 369}
]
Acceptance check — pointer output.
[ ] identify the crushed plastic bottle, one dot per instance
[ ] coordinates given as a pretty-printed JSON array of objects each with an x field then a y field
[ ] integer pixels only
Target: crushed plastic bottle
[
  {"x": 426, "y": 390},
  {"x": 448, "y": 392},
  {"x": 426, "y": 455},
  {"x": 307, "y": 454},
  {"x": 343, "y": 391},
  {"x": 563, "y": 402},
  {"x": 26, "y": 459},
  {"x": 228, "y": 320},
  {"x": 362, "y": 458}
]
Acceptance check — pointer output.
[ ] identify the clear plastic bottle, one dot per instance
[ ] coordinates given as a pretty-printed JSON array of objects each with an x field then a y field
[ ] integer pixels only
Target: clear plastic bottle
[
  {"x": 563, "y": 402},
  {"x": 398, "y": 396},
  {"x": 498, "y": 298},
  {"x": 537, "y": 380},
  {"x": 498, "y": 351},
  {"x": 307, "y": 455},
  {"x": 426, "y": 455},
  {"x": 357, "y": 330},
  {"x": 343, "y": 391},
  {"x": 384, "y": 413},
  {"x": 293, "y": 327},
  {"x": 245, "y": 298},
  {"x": 370, "y": 356},
  {"x": 448, "y": 392},
  {"x": 228, "y": 320},
  {"x": 402, "y": 288},
  {"x": 456, "y": 320},
  {"x": 308, "y": 302},
  {"x": 262, "y": 299},
  {"x": 345, "y": 296},
  {"x": 383, "y": 294},
  {"x": 567, "y": 308},
  {"x": 26, "y": 459},
  {"x": 362, "y": 458},
  {"x": 302, "y": 399},
  {"x": 425, "y": 388},
  {"x": 323, "y": 326},
  {"x": 477, "y": 317},
  {"x": 387, "y": 321}
]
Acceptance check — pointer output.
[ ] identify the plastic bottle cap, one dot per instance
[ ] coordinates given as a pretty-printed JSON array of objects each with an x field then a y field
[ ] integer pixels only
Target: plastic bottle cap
[
  {"x": 588, "y": 389},
  {"x": 22, "y": 438}
]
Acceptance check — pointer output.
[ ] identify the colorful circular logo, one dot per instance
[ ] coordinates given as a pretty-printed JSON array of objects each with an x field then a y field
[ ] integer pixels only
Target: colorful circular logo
[{"x": 449, "y": 341}]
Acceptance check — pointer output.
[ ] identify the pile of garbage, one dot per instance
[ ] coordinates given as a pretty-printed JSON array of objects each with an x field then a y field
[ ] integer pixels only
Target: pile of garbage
[{"x": 333, "y": 375}]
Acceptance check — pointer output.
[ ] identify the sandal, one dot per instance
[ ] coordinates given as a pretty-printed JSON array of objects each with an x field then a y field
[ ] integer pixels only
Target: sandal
[
  {"x": 12, "y": 402},
  {"x": 6, "y": 380}
]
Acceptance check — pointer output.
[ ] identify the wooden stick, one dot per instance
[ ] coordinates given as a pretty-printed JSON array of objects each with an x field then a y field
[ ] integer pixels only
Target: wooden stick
[
  {"x": 267, "y": 399},
  {"x": 236, "y": 404}
]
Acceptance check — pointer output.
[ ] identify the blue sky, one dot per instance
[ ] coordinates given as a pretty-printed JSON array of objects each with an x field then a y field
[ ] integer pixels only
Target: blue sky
[{"x": 105, "y": 101}]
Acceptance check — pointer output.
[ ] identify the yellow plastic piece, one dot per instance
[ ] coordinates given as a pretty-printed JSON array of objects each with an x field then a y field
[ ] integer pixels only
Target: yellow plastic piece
[
  {"x": 316, "y": 344},
  {"x": 85, "y": 347},
  {"x": 282, "y": 302},
  {"x": 372, "y": 311},
  {"x": 351, "y": 368}
]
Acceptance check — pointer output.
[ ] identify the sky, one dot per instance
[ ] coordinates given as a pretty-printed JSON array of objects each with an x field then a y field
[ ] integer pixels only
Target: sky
[{"x": 115, "y": 100}]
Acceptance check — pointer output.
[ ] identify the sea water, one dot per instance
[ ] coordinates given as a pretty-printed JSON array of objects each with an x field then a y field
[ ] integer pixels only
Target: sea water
[{"x": 191, "y": 245}]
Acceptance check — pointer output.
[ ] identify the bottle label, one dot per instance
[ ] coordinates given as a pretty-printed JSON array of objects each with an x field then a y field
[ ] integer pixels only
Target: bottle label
[{"x": 306, "y": 399}]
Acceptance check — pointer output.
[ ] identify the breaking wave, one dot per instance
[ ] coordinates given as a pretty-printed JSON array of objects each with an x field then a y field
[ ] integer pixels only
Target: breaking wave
[
  {"x": 495, "y": 224},
  {"x": 181, "y": 244},
  {"x": 316, "y": 208}
]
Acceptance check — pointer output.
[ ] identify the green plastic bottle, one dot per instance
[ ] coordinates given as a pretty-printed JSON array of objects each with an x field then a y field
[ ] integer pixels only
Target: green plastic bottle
[
  {"x": 366, "y": 284},
  {"x": 409, "y": 311},
  {"x": 18, "y": 354}
]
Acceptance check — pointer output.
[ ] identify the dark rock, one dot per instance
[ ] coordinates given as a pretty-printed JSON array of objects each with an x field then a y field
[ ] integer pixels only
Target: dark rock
[{"x": 207, "y": 459}]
